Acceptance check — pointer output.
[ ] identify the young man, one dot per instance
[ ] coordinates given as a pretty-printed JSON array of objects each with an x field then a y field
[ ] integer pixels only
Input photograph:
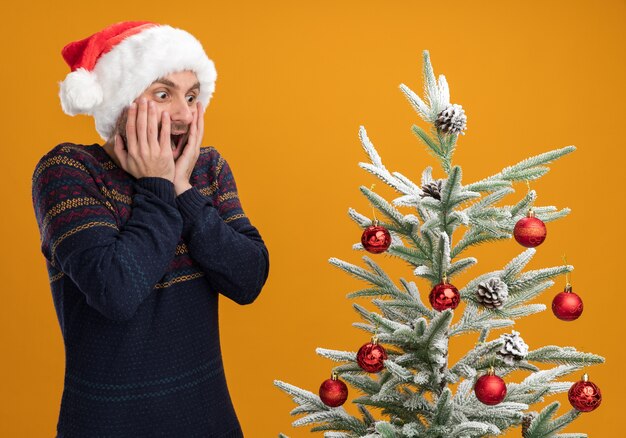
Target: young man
[{"x": 140, "y": 237}]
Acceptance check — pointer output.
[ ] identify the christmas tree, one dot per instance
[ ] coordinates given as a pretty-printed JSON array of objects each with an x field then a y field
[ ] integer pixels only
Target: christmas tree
[{"x": 409, "y": 378}]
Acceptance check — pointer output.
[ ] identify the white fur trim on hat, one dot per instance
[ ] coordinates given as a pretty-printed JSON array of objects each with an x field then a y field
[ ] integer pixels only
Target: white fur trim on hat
[
  {"x": 80, "y": 92},
  {"x": 129, "y": 68}
]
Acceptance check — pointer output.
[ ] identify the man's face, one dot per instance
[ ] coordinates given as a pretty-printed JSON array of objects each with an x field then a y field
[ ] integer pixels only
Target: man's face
[{"x": 175, "y": 93}]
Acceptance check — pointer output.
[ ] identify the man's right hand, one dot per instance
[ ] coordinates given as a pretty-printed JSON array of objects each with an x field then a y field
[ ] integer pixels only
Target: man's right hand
[{"x": 146, "y": 155}]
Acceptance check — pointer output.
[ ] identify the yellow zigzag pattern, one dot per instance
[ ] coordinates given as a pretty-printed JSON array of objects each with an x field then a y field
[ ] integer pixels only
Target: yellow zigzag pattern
[
  {"x": 68, "y": 204},
  {"x": 179, "y": 279}
]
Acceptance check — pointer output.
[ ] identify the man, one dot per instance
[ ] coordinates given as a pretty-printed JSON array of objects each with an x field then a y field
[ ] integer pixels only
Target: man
[{"x": 140, "y": 236}]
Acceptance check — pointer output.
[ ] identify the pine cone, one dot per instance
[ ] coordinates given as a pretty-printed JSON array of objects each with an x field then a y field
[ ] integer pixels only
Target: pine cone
[
  {"x": 514, "y": 348},
  {"x": 492, "y": 293},
  {"x": 452, "y": 120},
  {"x": 526, "y": 421},
  {"x": 432, "y": 189}
]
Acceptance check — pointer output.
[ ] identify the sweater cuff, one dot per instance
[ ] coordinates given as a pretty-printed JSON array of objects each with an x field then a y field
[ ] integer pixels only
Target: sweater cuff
[
  {"x": 162, "y": 187},
  {"x": 190, "y": 203}
]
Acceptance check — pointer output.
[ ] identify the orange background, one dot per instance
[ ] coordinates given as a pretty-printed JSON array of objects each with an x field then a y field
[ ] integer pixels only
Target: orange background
[{"x": 295, "y": 81}]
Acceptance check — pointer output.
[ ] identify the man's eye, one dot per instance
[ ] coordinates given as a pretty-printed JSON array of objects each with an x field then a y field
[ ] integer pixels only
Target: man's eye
[
  {"x": 191, "y": 98},
  {"x": 161, "y": 94}
]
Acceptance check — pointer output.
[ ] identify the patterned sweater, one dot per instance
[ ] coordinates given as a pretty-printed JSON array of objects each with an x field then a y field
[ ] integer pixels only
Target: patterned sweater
[{"x": 135, "y": 273}]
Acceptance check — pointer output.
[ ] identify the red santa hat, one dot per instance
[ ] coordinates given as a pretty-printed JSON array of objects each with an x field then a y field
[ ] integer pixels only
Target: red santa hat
[{"x": 111, "y": 68}]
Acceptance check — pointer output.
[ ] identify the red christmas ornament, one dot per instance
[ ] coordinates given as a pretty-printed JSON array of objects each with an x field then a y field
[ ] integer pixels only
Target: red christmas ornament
[
  {"x": 333, "y": 392},
  {"x": 567, "y": 305},
  {"x": 490, "y": 389},
  {"x": 370, "y": 356},
  {"x": 444, "y": 296},
  {"x": 585, "y": 396},
  {"x": 376, "y": 238},
  {"x": 530, "y": 231}
]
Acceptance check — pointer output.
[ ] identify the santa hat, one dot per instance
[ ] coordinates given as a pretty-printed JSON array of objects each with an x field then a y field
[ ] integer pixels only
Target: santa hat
[{"x": 111, "y": 68}]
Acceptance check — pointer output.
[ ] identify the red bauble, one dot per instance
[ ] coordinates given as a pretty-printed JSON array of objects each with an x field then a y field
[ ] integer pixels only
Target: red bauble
[
  {"x": 584, "y": 395},
  {"x": 376, "y": 238},
  {"x": 490, "y": 389},
  {"x": 370, "y": 357},
  {"x": 333, "y": 392},
  {"x": 530, "y": 231},
  {"x": 567, "y": 305},
  {"x": 444, "y": 296}
]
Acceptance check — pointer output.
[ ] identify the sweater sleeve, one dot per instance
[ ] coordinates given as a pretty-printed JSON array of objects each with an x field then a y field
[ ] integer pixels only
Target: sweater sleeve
[
  {"x": 221, "y": 239},
  {"x": 114, "y": 266}
]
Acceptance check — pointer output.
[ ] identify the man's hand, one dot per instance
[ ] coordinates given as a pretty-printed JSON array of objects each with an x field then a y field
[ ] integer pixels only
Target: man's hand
[
  {"x": 147, "y": 155},
  {"x": 191, "y": 151}
]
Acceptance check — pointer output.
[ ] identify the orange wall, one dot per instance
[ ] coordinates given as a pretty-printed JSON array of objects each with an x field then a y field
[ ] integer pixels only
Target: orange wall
[{"x": 296, "y": 79}]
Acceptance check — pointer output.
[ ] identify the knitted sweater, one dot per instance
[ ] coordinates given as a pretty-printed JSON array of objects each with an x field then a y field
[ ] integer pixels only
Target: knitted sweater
[{"x": 135, "y": 273}]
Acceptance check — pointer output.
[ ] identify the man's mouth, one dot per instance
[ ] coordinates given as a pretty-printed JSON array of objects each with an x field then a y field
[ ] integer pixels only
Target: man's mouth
[{"x": 177, "y": 141}]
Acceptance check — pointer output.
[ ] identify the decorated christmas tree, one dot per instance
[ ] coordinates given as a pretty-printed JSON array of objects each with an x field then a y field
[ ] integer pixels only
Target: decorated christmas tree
[{"x": 404, "y": 370}]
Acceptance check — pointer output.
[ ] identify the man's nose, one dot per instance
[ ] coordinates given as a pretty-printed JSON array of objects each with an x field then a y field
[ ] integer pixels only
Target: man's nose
[{"x": 180, "y": 112}]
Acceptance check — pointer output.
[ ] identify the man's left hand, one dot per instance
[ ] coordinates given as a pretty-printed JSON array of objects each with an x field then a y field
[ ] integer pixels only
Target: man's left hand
[{"x": 191, "y": 151}]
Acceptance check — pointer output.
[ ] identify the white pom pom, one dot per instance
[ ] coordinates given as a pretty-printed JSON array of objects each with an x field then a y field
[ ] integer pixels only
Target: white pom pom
[{"x": 80, "y": 92}]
